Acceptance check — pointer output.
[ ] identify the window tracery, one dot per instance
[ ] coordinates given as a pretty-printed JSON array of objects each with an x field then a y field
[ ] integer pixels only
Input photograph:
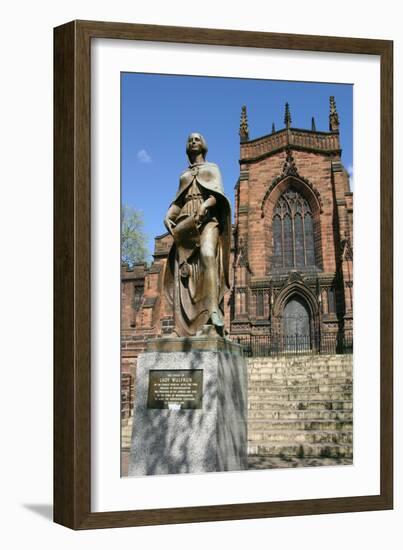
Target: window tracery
[{"x": 293, "y": 234}]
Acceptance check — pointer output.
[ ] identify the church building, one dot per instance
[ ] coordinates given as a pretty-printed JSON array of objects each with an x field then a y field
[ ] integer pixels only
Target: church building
[{"x": 293, "y": 270}]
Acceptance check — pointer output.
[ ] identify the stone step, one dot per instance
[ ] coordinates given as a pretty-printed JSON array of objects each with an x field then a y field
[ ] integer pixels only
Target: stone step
[
  {"x": 300, "y": 436},
  {"x": 299, "y": 424},
  {"x": 299, "y": 395},
  {"x": 259, "y": 462},
  {"x": 300, "y": 404},
  {"x": 302, "y": 375},
  {"x": 281, "y": 378},
  {"x": 314, "y": 414},
  {"x": 126, "y": 434},
  {"x": 291, "y": 449},
  {"x": 303, "y": 387},
  {"x": 289, "y": 369},
  {"x": 302, "y": 358}
]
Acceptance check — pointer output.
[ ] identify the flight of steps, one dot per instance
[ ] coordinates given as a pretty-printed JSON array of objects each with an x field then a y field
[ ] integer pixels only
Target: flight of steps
[{"x": 300, "y": 407}]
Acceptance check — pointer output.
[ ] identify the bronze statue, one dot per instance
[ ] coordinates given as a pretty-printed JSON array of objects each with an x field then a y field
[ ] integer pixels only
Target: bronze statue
[{"x": 199, "y": 219}]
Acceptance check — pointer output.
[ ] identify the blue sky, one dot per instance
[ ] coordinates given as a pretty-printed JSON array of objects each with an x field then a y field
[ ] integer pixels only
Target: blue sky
[{"x": 160, "y": 111}]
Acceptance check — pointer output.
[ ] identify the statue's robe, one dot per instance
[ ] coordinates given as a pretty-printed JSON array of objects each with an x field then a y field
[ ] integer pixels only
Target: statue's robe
[{"x": 187, "y": 296}]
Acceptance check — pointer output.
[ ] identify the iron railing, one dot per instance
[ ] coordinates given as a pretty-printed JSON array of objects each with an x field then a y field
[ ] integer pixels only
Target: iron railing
[{"x": 269, "y": 345}]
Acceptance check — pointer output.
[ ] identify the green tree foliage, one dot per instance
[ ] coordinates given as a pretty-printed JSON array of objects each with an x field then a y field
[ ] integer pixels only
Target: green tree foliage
[{"x": 134, "y": 240}]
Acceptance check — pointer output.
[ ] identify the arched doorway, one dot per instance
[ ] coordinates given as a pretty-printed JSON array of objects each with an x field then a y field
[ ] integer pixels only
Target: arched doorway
[{"x": 296, "y": 325}]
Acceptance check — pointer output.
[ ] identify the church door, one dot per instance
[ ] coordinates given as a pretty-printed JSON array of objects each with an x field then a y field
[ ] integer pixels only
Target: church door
[{"x": 296, "y": 325}]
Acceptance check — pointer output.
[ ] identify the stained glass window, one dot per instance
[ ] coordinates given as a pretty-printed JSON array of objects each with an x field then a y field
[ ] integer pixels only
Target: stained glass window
[
  {"x": 299, "y": 240},
  {"x": 288, "y": 242},
  {"x": 277, "y": 241},
  {"x": 309, "y": 240},
  {"x": 293, "y": 235}
]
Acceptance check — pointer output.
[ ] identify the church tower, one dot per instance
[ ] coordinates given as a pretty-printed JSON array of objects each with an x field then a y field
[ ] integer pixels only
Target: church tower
[{"x": 293, "y": 249}]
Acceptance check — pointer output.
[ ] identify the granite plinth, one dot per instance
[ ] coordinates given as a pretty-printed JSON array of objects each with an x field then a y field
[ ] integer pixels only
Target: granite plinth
[
  {"x": 176, "y": 440},
  {"x": 195, "y": 343}
]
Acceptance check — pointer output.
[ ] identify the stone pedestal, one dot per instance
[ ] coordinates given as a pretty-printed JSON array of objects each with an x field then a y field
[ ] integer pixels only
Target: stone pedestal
[{"x": 174, "y": 438}]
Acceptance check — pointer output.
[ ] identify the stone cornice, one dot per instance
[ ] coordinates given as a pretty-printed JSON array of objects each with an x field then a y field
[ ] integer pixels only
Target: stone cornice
[
  {"x": 326, "y": 143},
  {"x": 325, "y": 152}
]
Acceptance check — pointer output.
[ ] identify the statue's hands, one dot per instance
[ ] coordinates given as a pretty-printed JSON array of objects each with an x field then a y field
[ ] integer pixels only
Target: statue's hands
[
  {"x": 169, "y": 224},
  {"x": 171, "y": 216},
  {"x": 202, "y": 213}
]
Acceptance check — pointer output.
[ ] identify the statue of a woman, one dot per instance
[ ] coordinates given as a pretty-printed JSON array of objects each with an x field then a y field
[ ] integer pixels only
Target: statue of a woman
[{"x": 199, "y": 220}]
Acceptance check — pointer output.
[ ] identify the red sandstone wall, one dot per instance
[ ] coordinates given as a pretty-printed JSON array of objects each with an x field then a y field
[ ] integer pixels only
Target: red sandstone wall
[{"x": 315, "y": 168}]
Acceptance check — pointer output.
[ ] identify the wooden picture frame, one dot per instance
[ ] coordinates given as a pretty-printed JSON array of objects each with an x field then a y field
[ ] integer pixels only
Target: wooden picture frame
[{"x": 72, "y": 272}]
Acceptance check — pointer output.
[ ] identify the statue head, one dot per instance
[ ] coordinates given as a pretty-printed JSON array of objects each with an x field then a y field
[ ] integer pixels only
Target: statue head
[{"x": 195, "y": 145}]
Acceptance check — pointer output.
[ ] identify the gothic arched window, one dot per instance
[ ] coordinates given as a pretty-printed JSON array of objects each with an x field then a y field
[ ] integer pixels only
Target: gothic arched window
[{"x": 293, "y": 236}]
